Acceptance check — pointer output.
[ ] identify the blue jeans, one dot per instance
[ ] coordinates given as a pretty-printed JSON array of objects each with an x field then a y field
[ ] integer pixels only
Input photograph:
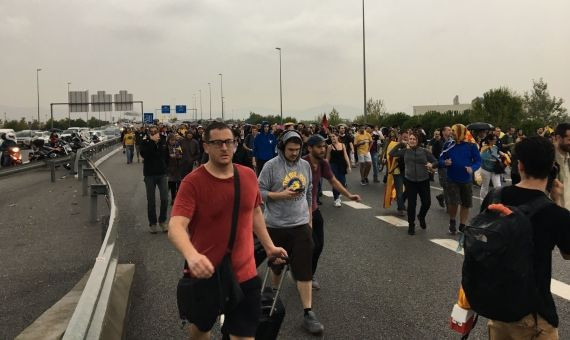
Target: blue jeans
[
  {"x": 399, "y": 185},
  {"x": 151, "y": 182},
  {"x": 374, "y": 164},
  {"x": 338, "y": 171},
  {"x": 130, "y": 153}
]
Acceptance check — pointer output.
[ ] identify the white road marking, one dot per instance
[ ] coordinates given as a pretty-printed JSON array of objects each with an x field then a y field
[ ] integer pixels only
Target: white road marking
[
  {"x": 440, "y": 189},
  {"x": 393, "y": 220},
  {"x": 556, "y": 287},
  {"x": 327, "y": 193},
  {"x": 447, "y": 243},
  {"x": 356, "y": 205}
]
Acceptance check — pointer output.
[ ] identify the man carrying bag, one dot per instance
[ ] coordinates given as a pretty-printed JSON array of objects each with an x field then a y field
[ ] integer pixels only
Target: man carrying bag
[{"x": 216, "y": 211}]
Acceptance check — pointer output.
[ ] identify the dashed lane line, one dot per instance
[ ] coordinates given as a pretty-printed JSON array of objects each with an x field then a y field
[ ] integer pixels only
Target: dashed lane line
[
  {"x": 327, "y": 193},
  {"x": 356, "y": 205},
  {"x": 393, "y": 220},
  {"x": 558, "y": 288}
]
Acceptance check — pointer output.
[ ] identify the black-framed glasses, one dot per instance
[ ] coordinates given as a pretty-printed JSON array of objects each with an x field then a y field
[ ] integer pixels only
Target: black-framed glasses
[{"x": 218, "y": 143}]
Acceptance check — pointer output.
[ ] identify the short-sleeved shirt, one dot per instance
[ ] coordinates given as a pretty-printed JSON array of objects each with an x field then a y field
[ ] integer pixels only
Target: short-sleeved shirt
[
  {"x": 208, "y": 202},
  {"x": 364, "y": 148},
  {"x": 323, "y": 170},
  {"x": 551, "y": 227}
]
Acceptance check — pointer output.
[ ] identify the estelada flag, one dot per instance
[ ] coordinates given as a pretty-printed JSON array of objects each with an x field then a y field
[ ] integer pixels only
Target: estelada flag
[{"x": 325, "y": 122}]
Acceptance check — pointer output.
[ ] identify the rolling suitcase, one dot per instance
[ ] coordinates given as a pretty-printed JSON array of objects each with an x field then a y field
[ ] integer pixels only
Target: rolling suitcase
[{"x": 272, "y": 309}]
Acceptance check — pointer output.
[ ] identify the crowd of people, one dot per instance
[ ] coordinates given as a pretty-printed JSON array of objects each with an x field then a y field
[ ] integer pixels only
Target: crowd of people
[{"x": 281, "y": 168}]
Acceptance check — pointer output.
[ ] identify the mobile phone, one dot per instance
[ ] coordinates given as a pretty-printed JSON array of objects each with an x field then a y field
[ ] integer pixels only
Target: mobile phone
[{"x": 554, "y": 172}]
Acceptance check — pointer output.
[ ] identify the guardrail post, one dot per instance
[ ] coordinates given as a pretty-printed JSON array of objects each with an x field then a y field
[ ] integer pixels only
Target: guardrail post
[
  {"x": 87, "y": 172},
  {"x": 52, "y": 170},
  {"x": 96, "y": 190},
  {"x": 82, "y": 163}
]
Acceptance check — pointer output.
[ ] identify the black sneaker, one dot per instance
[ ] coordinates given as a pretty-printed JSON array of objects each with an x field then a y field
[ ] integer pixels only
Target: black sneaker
[
  {"x": 452, "y": 229},
  {"x": 311, "y": 324},
  {"x": 366, "y": 180},
  {"x": 411, "y": 229},
  {"x": 440, "y": 200},
  {"x": 362, "y": 182},
  {"x": 423, "y": 224}
]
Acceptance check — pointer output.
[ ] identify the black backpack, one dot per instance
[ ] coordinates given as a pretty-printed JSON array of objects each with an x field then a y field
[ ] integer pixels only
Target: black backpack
[{"x": 498, "y": 268}]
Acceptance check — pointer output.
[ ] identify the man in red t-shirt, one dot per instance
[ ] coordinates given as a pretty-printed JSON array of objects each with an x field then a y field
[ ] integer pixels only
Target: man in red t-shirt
[
  {"x": 320, "y": 168},
  {"x": 200, "y": 226}
]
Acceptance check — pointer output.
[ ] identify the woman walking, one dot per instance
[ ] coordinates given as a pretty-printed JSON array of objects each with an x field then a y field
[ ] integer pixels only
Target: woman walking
[
  {"x": 418, "y": 163},
  {"x": 340, "y": 163},
  {"x": 174, "y": 161},
  {"x": 490, "y": 163}
]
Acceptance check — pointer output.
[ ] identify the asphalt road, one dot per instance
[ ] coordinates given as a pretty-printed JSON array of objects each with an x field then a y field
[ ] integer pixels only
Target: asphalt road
[
  {"x": 377, "y": 281},
  {"x": 46, "y": 244}
]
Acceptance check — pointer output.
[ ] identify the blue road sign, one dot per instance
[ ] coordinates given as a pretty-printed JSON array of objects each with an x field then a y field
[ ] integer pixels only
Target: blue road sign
[
  {"x": 165, "y": 109},
  {"x": 148, "y": 118},
  {"x": 180, "y": 108}
]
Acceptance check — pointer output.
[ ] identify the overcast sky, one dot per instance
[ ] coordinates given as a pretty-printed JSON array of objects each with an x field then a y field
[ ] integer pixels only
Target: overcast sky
[{"x": 418, "y": 52}]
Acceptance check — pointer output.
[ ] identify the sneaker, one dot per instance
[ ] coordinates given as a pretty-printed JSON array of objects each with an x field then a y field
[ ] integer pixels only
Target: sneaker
[
  {"x": 164, "y": 227},
  {"x": 153, "y": 229},
  {"x": 423, "y": 224},
  {"x": 362, "y": 182},
  {"x": 375, "y": 180},
  {"x": 401, "y": 213},
  {"x": 366, "y": 180},
  {"x": 411, "y": 229},
  {"x": 452, "y": 229},
  {"x": 337, "y": 202},
  {"x": 440, "y": 200},
  {"x": 316, "y": 285},
  {"x": 311, "y": 324}
]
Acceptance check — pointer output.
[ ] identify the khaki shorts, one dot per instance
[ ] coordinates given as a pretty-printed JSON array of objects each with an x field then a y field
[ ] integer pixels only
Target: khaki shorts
[
  {"x": 525, "y": 328},
  {"x": 365, "y": 158},
  {"x": 460, "y": 194}
]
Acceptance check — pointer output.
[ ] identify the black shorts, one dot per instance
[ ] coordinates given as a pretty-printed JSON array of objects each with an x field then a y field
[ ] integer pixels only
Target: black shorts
[
  {"x": 244, "y": 319},
  {"x": 298, "y": 242},
  {"x": 460, "y": 193}
]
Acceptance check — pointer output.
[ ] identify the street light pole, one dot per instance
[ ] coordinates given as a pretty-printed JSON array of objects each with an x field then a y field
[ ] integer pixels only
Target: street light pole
[
  {"x": 222, "y": 93},
  {"x": 201, "y": 105},
  {"x": 280, "y": 85},
  {"x": 68, "y": 106},
  {"x": 38, "y": 89},
  {"x": 195, "y": 115},
  {"x": 364, "y": 63},
  {"x": 210, "y": 89}
]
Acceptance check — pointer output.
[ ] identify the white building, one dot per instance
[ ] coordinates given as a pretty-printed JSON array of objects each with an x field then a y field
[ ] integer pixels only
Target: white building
[{"x": 455, "y": 107}]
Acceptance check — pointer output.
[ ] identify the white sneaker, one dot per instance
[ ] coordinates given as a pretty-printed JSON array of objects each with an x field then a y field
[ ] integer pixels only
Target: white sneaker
[{"x": 337, "y": 202}]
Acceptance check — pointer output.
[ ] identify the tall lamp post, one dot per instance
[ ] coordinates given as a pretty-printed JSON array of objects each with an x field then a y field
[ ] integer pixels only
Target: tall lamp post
[
  {"x": 38, "y": 90},
  {"x": 68, "y": 106},
  {"x": 280, "y": 86},
  {"x": 210, "y": 89},
  {"x": 195, "y": 114},
  {"x": 200, "y": 104},
  {"x": 222, "y": 93},
  {"x": 364, "y": 63}
]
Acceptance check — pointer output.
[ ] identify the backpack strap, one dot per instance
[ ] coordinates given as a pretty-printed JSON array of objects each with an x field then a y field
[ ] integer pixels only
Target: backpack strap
[{"x": 536, "y": 205}]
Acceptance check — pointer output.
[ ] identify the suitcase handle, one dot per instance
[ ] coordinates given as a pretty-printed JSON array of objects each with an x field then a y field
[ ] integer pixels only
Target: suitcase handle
[{"x": 283, "y": 274}]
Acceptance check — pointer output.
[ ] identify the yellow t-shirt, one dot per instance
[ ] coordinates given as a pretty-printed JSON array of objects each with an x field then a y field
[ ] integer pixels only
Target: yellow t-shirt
[
  {"x": 364, "y": 148},
  {"x": 129, "y": 139}
]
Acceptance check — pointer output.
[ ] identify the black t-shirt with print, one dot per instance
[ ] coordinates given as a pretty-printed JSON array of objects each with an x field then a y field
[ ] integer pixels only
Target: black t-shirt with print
[{"x": 551, "y": 228}]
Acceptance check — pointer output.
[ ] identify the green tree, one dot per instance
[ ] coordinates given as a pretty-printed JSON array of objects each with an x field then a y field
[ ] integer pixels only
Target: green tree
[
  {"x": 334, "y": 118},
  {"x": 539, "y": 105},
  {"x": 500, "y": 107}
]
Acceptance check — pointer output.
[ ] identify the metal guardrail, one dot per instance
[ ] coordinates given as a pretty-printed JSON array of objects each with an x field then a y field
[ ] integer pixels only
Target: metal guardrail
[
  {"x": 88, "y": 318},
  {"x": 90, "y": 151}
]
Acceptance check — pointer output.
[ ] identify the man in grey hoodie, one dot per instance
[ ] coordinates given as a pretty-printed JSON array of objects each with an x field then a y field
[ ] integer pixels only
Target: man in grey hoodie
[{"x": 285, "y": 184}]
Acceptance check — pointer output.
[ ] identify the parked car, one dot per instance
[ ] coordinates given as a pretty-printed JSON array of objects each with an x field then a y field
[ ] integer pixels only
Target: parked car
[
  {"x": 112, "y": 132},
  {"x": 25, "y": 137},
  {"x": 100, "y": 134}
]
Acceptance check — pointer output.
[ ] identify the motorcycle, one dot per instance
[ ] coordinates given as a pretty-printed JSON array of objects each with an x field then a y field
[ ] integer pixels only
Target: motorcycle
[{"x": 12, "y": 156}]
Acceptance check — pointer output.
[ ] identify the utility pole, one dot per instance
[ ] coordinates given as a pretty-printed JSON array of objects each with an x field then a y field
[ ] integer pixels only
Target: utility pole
[
  {"x": 210, "y": 89},
  {"x": 364, "y": 63},
  {"x": 201, "y": 104},
  {"x": 280, "y": 85},
  {"x": 68, "y": 106},
  {"x": 38, "y": 89},
  {"x": 222, "y": 93}
]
